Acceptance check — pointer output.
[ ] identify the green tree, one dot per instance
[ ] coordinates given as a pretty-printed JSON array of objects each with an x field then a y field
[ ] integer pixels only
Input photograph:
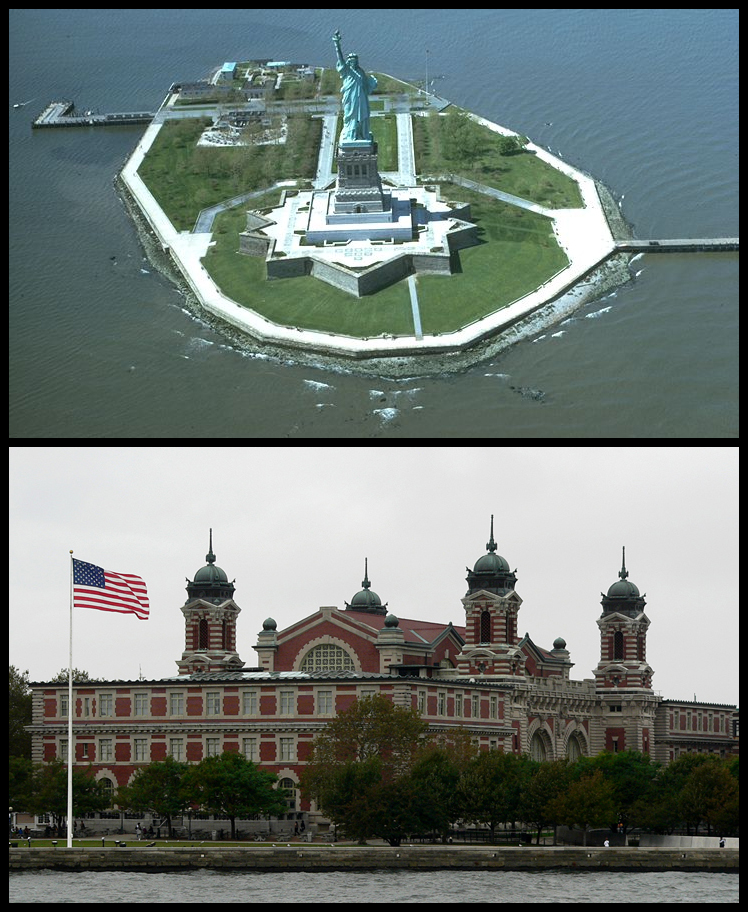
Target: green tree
[
  {"x": 232, "y": 786},
  {"x": 158, "y": 787},
  {"x": 49, "y": 792},
  {"x": 360, "y": 771},
  {"x": 588, "y": 802},
  {"x": 490, "y": 788},
  {"x": 436, "y": 775},
  {"x": 709, "y": 796},
  {"x": 633, "y": 776},
  {"x": 544, "y": 784},
  {"x": 62, "y": 676},
  {"x": 371, "y": 727},
  {"x": 19, "y": 713}
]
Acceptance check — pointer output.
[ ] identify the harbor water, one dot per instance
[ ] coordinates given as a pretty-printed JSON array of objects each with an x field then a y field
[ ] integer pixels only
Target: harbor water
[
  {"x": 104, "y": 346},
  {"x": 374, "y": 887}
]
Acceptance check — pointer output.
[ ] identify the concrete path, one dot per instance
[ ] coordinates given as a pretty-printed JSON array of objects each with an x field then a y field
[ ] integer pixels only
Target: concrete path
[{"x": 414, "y": 307}]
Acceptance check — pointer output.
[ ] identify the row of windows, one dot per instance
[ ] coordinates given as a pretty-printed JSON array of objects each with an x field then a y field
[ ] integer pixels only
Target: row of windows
[
  {"x": 459, "y": 705},
  {"x": 699, "y": 721},
  {"x": 140, "y": 752},
  {"x": 102, "y": 706}
]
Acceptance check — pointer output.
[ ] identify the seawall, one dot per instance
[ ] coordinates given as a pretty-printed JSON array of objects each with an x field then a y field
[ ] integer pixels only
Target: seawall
[{"x": 339, "y": 858}]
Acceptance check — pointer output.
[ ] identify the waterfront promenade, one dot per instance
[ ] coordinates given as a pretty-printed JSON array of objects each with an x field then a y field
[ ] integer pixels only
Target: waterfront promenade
[{"x": 300, "y": 857}]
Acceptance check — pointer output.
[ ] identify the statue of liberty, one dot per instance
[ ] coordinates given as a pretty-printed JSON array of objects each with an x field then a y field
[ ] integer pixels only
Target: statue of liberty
[{"x": 356, "y": 88}]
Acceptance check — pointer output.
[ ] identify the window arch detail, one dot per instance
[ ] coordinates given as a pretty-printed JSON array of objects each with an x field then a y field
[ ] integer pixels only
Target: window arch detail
[{"x": 327, "y": 657}]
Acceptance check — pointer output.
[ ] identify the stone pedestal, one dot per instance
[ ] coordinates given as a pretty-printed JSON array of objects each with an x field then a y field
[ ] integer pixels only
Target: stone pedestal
[{"x": 359, "y": 187}]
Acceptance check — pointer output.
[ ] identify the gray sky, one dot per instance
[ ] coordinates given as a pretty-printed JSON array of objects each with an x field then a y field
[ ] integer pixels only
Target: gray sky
[{"x": 292, "y": 526}]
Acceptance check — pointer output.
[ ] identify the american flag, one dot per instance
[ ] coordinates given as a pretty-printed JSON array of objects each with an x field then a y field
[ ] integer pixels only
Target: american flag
[{"x": 122, "y": 593}]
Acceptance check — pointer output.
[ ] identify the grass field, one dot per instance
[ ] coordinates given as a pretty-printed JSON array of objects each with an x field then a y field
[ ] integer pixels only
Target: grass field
[{"x": 517, "y": 253}]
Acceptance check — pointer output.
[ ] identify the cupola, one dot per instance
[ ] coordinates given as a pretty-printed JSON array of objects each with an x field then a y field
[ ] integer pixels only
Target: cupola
[
  {"x": 491, "y": 571},
  {"x": 366, "y": 600},
  {"x": 210, "y": 583}
]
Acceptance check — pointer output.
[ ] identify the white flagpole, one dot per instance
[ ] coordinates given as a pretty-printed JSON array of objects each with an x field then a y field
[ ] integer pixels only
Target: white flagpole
[{"x": 70, "y": 716}]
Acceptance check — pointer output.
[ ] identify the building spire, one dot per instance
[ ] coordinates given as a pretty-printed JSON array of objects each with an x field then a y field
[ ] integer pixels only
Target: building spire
[
  {"x": 210, "y": 556},
  {"x": 365, "y": 582},
  {"x": 623, "y": 571},
  {"x": 491, "y": 544}
]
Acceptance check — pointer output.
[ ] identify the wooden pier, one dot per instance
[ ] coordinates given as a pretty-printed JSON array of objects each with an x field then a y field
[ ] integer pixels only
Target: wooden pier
[{"x": 62, "y": 114}]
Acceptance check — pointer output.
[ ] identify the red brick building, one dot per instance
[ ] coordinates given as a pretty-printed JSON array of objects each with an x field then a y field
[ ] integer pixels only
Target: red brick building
[{"x": 509, "y": 693}]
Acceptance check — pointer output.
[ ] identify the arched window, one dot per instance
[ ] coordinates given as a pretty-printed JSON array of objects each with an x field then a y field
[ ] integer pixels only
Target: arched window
[
  {"x": 288, "y": 787},
  {"x": 327, "y": 657},
  {"x": 618, "y": 645},
  {"x": 485, "y": 627},
  {"x": 108, "y": 789},
  {"x": 574, "y": 748},
  {"x": 202, "y": 638},
  {"x": 537, "y": 748}
]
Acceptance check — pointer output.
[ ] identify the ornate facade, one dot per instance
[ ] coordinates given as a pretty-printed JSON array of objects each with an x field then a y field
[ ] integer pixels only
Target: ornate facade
[{"x": 509, "y": 693}]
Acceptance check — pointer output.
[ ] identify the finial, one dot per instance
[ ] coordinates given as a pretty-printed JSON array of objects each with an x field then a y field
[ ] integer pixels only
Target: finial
[
  {"x": 365, "y": 582},
  {"x": 491, "y": 544},
  {"x": 623, "y": 572},
  {"x": 210, "y": 556}
]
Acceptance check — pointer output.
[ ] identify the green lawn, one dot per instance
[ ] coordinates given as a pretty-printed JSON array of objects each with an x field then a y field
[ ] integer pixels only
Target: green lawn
[
  {"x": 455, "y": 143},
  {"x": 517, "y": 253},
  {"x": 186, "y": 178}
]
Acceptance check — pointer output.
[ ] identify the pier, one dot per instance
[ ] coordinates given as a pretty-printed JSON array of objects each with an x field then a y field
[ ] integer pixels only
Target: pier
[
  {"x": 683, "y": 245},
  {"x": 371, "y": 858},
  {"x": 62, "y": 114}
]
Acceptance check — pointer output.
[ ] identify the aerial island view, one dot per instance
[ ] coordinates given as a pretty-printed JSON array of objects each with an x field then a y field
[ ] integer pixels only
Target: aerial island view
[
  {"x": 362, "y": 218},
  {"x": 374, "y": 223}
]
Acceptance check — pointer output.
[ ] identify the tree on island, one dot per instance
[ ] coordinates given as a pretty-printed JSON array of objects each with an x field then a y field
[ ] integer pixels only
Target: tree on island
[
  {"x": 19, "y": 713},
  {"x": 49, "y": 792},
  {"x": 159, "y": 788},
  {"x": 361, "y": 771},
  {"x": 588, "y": 802},
  {"x": 231, "y": 786},
  {"x": 544, "y": 782}
]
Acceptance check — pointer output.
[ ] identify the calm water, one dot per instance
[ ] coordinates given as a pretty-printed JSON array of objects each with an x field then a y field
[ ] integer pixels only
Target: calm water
[
  {"x": 374, "y": 887},
  {"x": 101, "y": 345}
]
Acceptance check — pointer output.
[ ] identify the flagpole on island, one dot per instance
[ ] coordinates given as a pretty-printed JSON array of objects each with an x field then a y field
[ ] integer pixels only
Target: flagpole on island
[{"x": 70, "y": 716}]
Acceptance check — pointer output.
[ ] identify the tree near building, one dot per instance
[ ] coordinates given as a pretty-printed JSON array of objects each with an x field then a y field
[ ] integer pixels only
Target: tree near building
[
  {"x": 490, "y": 788},
  {"x": 159, "y": 788},
  {"x": 588, "y": 802},
  {"x": 632, "y": 775},
  {"x": 229, "y": 785},
  {"x": 49, "y": 792},
  {"x": 361, "y": 771},
  {"x": 543, "y": 784},
  {"x": 19, "y": 713}
]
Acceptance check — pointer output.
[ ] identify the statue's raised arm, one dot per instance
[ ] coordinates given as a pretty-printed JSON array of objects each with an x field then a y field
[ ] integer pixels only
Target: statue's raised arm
[
  {"x": 355, "y": 90},
  {"x": 336, "y": 42}
]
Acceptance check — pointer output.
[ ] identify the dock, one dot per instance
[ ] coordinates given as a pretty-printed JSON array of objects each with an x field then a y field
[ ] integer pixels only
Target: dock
[
  {"x": 372, "y": 858},
  {"x": 63, "y": 114},
  {"x": 682, "y": 245}
]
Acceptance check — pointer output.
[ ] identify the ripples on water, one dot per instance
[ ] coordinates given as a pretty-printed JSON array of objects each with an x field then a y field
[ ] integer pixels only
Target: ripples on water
[{"x": 374, "y": 887}]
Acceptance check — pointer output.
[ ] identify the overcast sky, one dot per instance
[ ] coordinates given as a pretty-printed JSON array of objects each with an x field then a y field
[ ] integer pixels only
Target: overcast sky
[{"x": 292, "y": 526}]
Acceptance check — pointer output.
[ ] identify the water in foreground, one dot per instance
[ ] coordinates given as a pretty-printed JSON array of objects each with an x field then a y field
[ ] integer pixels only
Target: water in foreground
[{"x": 374, "y": 887}]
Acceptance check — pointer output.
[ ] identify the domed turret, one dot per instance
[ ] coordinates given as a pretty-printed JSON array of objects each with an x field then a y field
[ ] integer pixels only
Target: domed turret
[
  {"x": 623, "y": 596},
  {"x": 366, "y": 600},
  {"x": 491, "y": 572},
  {"x": 210, "y": 582}
]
